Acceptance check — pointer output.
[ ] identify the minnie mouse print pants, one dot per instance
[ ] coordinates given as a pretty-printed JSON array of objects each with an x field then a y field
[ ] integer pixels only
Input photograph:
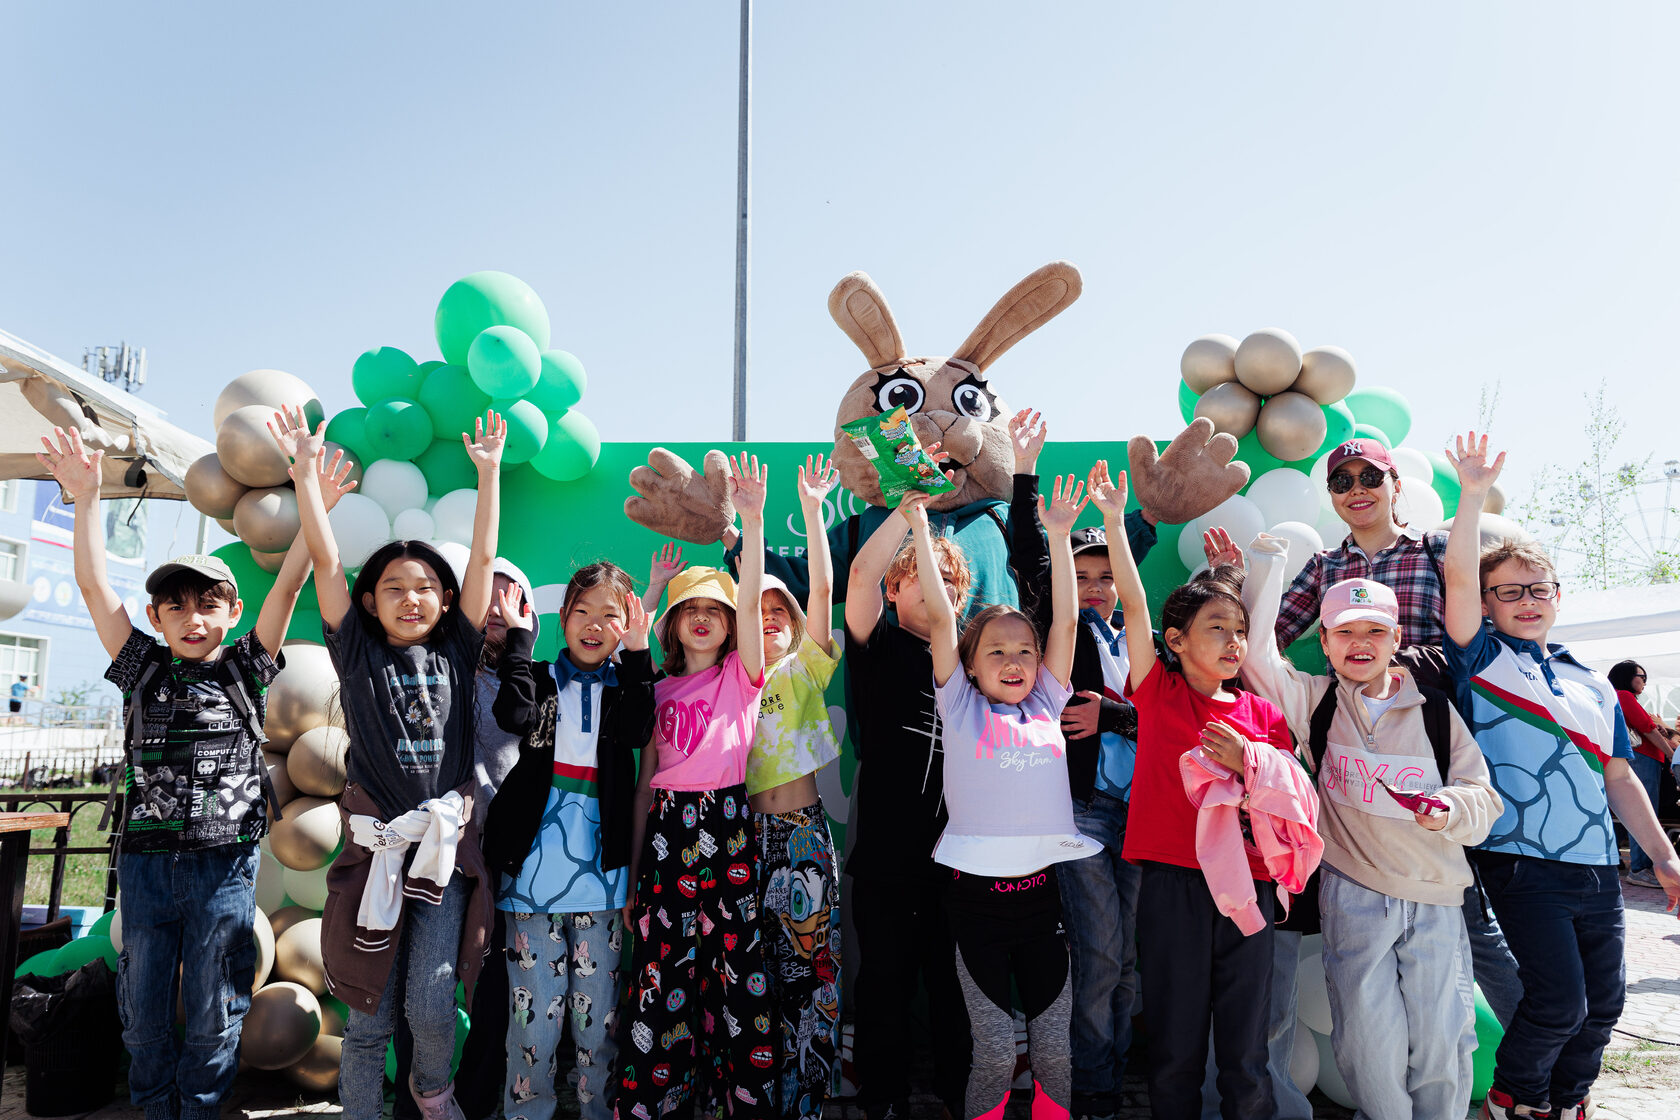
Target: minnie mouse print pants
[{"x": 700, "y": 1019}]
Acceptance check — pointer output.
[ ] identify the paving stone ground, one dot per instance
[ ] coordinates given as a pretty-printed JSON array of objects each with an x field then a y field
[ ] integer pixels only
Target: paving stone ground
[{"x": 1641, "y": 1078}]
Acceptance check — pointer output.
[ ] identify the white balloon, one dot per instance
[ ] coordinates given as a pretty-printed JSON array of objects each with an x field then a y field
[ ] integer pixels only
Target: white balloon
[
  {"x": 1330, "y": 1081},
  {"x": 1303, "y": 1059},
  {"x": 394, "y": 484},
  {"x": 308, "y": 888},
  {"x": 1284, "y": 494},
  {"x": 1418, "y": 505},
  {"x": 1190, "y": 546},
  {"x": 1237, "y": 516},
  {"x": 360, "y": 526},
  {"x": 1319, "y": 474},
  {"x": 1494, "y": 529},
  {"x": 1313, "y": 996},
  {"x": 453, "y": 515},
  {"x": 1303, "y": 540},
  {"x": 1411, "y": 463},
  {"x": 413, "y": 525},
  {"x": 456, "y": 556},
  {"x": 271, "y": 884},
  {"x": 1332, "y": 530}
]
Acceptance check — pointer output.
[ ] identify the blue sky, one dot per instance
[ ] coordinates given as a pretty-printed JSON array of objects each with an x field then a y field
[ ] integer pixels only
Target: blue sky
[{"x": 1457, "y": 194}]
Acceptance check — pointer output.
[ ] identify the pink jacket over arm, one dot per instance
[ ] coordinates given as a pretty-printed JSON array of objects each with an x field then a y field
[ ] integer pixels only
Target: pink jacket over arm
[{"x": 1283, "y": 815}]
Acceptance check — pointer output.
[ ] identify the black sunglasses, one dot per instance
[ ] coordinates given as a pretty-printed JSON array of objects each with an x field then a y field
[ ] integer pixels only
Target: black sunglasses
[
  {"x": 1369, "y": 477},
  {"x": 1511, "y": 592}
]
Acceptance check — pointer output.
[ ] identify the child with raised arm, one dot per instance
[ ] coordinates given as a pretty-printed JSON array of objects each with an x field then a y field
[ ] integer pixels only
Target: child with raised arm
[
  {"x": 1558, "y": 750},
  {"x": 1403, "y": 788},
  {"x": 700, "y": 1011},
  {"x": 1001, "y": 697},
  {"x": 1210, "y": 848},
  {"x": 197, "y": 793},
  {"x": 405, "y": 640}
]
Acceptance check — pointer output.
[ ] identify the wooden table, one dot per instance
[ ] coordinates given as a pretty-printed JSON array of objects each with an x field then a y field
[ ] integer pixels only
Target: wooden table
[{"x": 14, "y": 861}]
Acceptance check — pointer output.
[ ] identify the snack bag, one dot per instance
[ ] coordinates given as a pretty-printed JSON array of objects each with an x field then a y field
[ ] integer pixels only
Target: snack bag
[{"x": 890, "y": 444}]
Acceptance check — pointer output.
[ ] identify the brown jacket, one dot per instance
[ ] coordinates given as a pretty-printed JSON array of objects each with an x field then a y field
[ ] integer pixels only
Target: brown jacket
[{"x": 358, "y": 961}]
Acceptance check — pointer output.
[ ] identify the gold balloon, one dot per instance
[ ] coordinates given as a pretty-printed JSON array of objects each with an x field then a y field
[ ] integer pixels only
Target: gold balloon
[
  {"x": 1231, "y": 407},
  {"x": 1327, "y": 374},
  {"x": 267, "y": 519},
  {"x": 332, "y": 1019},
  {"x": 227, "y": 526},
  {"x": 316, "y": 761},
  {"x": 306, "y": 834},
  {"x": 210, "y": 489},
  {"x": 284, "y": 791},
  {"x": 286, "y": 917},
  {"x": 269, "y": 562},
  {"x": 269, "y": 388},
  {"x": 281, "y": 1026},
  {"x": 1268, "y": 361},
  {"x": 297, "y": 956},
  {"x": 302, "y": 696},
  {"x": 317, "y": 1071},
  {"x": 1495, "y": 500},
  {"x": 1291, "y": 426},
  {"x": 247, "y": 450},
  {"x": 356, "y": 464},
  {"x": 1209, "y": 361},
  {"x": 263, "y": 934}
]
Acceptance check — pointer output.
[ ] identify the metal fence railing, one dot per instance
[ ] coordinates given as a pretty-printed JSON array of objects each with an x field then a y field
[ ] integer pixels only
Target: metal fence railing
[
  {"x": 60, "y": 848},
  {"x": 49, "y": 746}
]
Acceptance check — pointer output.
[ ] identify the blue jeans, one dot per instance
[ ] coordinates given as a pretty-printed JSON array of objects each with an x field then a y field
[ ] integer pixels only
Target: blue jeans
[
  {"x": 425, "y": 966},
  {"x": 1398, "y": 974},
  {"x": 1649, "y": 772},
  {"x": 1564, "y": 923},
  {"x": 561, "y": 968},
  {"x": 1292, "y": 1104},
  {"x": 191, "y": 909},
  {"x": 1490, "y": 957},
  {"x": 1099, "y": 907}
]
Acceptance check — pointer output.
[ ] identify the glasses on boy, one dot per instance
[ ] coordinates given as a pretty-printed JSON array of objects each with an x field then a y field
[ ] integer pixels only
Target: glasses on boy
[
  {"x": 1511, "y": 592},
  {"x": 1369, "y": 477}
]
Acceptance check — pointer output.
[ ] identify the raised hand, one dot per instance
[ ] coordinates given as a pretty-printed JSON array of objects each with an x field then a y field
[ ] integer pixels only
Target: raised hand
[
  {"x": 1108, "y": 495},
  {"x": 914, "y": 508},
  {"x": 1475, "y": 473},
  {"x": 511, "y": 605},
  {"x": 637, "y": 624},
  {"x": 816, "y": 479},
  {"x": 293, "y": 434},
  {"x": 749, "y": 486},
  {"x": 1027, "y": 433},
  {"x": 334, "y": 476},
  {"x": 667, "y": 562},
  {"x": 1219, "y": 549},
  {"x": 74, "y": 467},
  {"x": 1064, "y": 507},
  {"x": 488, "y": 439}
]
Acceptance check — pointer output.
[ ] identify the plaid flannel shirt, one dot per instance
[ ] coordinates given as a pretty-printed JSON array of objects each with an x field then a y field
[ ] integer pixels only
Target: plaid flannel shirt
[{"x": 1411, "y": 567}]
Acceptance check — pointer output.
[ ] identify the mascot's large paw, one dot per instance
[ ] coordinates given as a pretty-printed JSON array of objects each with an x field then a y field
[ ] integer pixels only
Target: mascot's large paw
[
  {"x": 1191, "y": 476},
  {"x": 675, "y": 500}
]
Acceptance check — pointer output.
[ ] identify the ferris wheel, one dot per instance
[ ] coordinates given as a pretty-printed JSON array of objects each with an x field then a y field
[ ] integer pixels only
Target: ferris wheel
[{"x": 1628, "y": 530}]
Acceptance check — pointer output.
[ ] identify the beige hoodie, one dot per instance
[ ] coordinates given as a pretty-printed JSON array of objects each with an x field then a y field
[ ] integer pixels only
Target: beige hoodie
[{"x": 1368, "y": 837}]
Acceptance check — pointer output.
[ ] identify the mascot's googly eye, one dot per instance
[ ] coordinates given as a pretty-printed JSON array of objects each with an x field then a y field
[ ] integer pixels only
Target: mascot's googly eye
[
  {"x": 974, "y": 401},
  {"x": 899, "y": 389}
]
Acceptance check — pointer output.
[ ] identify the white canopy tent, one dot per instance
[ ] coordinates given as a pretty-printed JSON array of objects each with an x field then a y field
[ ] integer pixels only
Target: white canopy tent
[{"x": 1630, "y": 623}]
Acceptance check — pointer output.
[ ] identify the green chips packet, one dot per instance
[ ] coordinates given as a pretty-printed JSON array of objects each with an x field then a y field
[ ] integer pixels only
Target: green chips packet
[{"x": 890, "y": 444}]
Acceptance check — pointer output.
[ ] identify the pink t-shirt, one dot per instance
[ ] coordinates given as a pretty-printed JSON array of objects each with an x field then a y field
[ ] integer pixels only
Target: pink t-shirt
[{"x": 703, "y": 727}]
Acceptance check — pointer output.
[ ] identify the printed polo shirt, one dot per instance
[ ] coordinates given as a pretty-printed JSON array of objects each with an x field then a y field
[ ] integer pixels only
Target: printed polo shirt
[{"x": 1546, "y": 724}]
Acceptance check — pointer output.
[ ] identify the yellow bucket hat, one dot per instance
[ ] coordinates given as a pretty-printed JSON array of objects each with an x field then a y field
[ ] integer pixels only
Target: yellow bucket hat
[{"x": 695, "y": 582}]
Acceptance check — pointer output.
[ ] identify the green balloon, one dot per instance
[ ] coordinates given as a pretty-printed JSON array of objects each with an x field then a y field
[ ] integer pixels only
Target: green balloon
[
  {"x": 463, "y": 1024},
  {"x": 1259, "y": 460},
  {"x": 1445, "y": 481},
  {"x": 571, "y": 451},
  {"x": 398, "y": 429},
  {"x": 487, "y": 299},
  {"x": 349, "y": 429},
  {"x": 1371, "y": 431},
  {"x": 41, "y": 964},
  {"x": 1187, "y": 398},
  {"x": 1488, "y": 1036},
  {"x": 391, "y": 1060},
  {"x": 426, "y": 368},
  {"x": 561, "y": 383},
  {"x": 383, "y": 373},
  {"x": 1382, "y": 408},
  {"x": 527, "y": 430},
  {"x": 1338, "y": 427},
  {"x": 504, "y": 362},
  {"x": 453, "y": 401},
  {"x": 101, "y": 926},
  {"x": 447, "y": 466},
  {"x": 84, "y": 950}
]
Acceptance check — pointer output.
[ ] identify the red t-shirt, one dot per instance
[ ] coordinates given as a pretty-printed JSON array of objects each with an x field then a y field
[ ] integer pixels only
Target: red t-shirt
[
  {"x": 1638, "y": 721},
  {"x": 1161, "y": 822}
]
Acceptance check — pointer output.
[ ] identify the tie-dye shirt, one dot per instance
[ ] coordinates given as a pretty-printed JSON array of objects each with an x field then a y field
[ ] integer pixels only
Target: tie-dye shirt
[
  {"x": 795, "y": 736},
  {"x": 1546, "y": 724}
]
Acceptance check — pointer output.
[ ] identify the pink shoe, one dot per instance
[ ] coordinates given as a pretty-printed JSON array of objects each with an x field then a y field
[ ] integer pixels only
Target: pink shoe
[{"x": 440, "y": 1105}]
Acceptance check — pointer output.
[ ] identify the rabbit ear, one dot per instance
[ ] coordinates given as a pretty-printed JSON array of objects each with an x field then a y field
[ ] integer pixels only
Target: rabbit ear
[
  {"x": 1023, "y": 309},
  {"x": 862, "y": 312}
]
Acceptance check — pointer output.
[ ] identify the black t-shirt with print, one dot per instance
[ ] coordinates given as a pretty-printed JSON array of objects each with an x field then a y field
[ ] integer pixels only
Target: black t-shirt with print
[
  {"x": 408, "y": 710},
  {"x": 901, "y": 761},
  {"x": 195, "y": 779}
]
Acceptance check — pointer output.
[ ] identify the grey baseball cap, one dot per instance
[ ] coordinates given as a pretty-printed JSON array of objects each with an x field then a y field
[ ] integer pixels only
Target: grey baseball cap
[
  {"x": 207, "y": 566},
  {"x": 1084, "y": 540}
]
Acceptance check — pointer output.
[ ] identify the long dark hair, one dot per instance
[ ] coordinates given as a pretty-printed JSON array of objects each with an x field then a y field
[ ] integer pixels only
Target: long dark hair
[
  {"x": 450, "y": 622},
  {"x": 1621, "y": 675}
]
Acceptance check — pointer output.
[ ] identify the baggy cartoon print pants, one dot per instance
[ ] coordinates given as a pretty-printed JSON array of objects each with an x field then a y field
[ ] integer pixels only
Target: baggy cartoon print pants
[
  {"x": 561, "y": 968},
  {"x": 802, "y": 946},
  {"x": 700, "y": 1017}
]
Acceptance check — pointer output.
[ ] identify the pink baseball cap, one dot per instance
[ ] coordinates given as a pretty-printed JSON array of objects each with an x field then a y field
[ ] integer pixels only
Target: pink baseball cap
[
  {"x": 1370, "y": 450},
  {"x": 1355, "y": 599}
]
